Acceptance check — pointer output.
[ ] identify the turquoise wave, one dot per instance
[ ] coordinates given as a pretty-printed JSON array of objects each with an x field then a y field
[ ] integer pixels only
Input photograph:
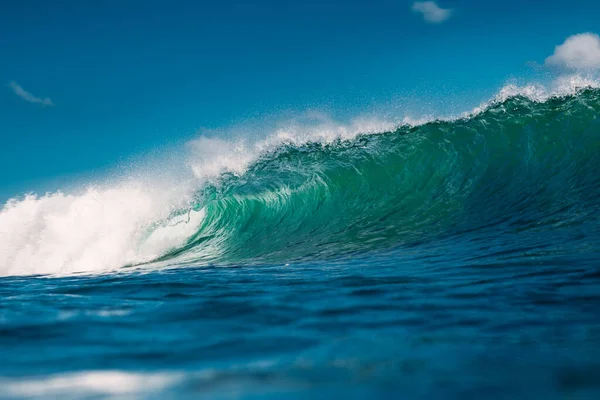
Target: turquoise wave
[{"x": 517, "y": 166}]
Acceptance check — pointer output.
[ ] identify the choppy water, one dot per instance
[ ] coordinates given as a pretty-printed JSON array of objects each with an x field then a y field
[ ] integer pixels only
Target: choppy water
[{"x": 451, "y": 259}]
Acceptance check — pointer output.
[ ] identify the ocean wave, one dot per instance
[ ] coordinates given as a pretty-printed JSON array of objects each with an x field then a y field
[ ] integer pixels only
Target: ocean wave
[{"x": 526, "y": 160}]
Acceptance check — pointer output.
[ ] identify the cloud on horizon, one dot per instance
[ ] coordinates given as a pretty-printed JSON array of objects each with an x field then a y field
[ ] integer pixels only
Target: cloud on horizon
[
  {"x": 432, "y": 13},
  {"x": 27, "y": 96},
  {"x": 578, "y": 52}
]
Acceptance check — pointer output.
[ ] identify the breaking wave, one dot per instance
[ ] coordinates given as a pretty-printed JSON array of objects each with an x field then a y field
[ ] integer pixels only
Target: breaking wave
[{"x": 526, "y": 162}]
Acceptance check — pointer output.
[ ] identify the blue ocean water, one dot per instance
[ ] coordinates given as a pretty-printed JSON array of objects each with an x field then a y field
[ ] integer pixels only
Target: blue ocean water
[{"x": 450, "y": 259}]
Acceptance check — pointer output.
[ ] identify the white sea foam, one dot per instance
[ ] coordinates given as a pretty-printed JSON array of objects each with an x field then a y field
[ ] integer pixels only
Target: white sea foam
[
  {"x": 564, "y": 85},
  {"x": 210, "y": 156},
  {"x": 106, "y": 226},
  {"x": 99, "y": 228}
]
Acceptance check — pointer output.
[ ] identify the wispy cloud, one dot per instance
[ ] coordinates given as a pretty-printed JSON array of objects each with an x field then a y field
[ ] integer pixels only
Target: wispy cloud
[
  {"x": 27, "y": 96},
  {"x": 578, "y": 52},
  {"x": 432, "y": 13}
]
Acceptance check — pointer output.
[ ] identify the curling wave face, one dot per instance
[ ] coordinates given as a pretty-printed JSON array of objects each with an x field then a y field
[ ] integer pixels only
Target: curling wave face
[{"x": 525, "y": 163}]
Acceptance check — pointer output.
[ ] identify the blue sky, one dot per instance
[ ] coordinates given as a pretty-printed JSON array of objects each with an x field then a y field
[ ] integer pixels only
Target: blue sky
[{"x": 86, "y": 84}]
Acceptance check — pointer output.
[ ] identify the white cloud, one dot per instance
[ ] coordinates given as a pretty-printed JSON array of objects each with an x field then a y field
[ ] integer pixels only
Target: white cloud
[
  {"x": 27, "y": 96},
  {"x": 431, "y": 11},
  {"x": 577, "y": 52}
]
